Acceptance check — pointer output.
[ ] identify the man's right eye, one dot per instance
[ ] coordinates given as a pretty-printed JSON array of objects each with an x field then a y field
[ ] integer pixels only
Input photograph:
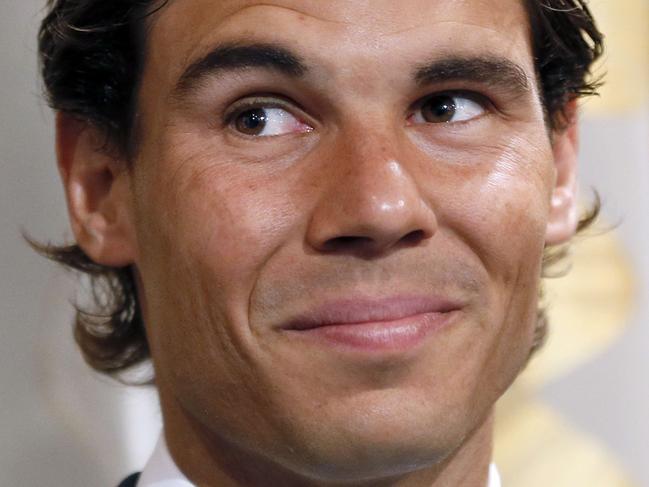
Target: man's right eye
[
  {"x": 449, "y": 108},
  {"x": 267, "y": 121}
]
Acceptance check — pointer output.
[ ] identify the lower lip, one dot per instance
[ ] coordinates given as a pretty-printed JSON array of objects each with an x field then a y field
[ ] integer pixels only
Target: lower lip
[{"x": 382, "y": 336}]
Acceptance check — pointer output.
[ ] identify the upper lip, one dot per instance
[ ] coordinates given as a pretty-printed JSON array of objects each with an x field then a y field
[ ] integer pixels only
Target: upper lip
[{"x": 364, "y": 310}]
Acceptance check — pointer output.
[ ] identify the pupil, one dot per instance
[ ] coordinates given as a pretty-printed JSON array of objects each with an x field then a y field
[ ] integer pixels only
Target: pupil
[
  {"x": 439, "y": 109},
  {"x": 252, "y": 121}
]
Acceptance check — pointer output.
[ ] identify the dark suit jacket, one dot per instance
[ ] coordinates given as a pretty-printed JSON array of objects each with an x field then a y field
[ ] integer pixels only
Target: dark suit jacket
[{"x": 130, "y": 481}]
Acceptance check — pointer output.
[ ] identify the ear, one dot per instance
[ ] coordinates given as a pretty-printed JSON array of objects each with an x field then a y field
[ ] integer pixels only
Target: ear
[
  {"x": 97, "y": 188},
  {"x": 564, "y": 218}
]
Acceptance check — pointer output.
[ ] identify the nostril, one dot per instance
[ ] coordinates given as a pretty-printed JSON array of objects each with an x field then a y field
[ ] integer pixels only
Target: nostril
[
  {"x": 346, "y": 242},
  {"x": 356, "y": 243},
  {"x": 414, "y": 237}
]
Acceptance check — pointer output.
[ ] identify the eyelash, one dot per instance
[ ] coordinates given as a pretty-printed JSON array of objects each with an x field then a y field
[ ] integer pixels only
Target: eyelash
[
  {"x": 260, "y": 101},
  {"x": 474, "y": 96}
]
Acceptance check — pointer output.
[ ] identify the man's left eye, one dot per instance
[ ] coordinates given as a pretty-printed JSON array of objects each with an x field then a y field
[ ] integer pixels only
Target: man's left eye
[
  {"x": 268, "y": 122},
  {"x": 448, "y": 108}
]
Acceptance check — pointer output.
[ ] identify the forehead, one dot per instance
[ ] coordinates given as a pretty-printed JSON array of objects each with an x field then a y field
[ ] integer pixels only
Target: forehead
[
  {"x": 388, "y": 16},
  {"x": 379, "y": 32}
]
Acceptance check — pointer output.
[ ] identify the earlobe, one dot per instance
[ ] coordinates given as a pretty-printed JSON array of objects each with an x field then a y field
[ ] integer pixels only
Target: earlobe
[
  {"x": 563, "y": 218},
  {"x": 97, "y": 187}
]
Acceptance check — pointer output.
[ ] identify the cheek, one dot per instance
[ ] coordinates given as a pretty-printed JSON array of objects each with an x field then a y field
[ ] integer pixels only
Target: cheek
[
  {"x": 501, "y": 210},
  {"x": 204, "y": 234},
  {"x": 498, "y": 216},
  {"x": 207, "y": 233},
  {"x": 216, "y": 221}
]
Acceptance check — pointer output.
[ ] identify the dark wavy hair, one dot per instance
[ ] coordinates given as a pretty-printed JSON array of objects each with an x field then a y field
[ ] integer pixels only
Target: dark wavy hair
[{"x": 91, "y": 56}]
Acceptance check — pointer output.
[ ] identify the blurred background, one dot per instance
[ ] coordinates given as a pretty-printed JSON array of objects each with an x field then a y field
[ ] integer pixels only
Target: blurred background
[{"x": 577, "y": 416}]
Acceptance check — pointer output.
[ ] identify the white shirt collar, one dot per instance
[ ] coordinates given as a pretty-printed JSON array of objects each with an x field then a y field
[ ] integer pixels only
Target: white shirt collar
[
  {"x": 494, "y": 476},
  {"x": 161, "y": 470}
]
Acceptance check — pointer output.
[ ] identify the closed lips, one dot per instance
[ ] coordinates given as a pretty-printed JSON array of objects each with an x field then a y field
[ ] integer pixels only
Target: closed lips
[{"x": 361, "y": 310}]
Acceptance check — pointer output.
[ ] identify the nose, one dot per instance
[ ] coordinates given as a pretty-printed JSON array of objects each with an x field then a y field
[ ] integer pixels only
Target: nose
[{"x": 371, "y": 204}]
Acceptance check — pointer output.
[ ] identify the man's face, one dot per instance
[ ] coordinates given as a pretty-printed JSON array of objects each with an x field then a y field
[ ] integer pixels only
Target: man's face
[{"x": 378, "y": 163}]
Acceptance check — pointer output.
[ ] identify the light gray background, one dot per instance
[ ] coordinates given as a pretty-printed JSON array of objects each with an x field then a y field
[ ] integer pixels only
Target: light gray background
[{"x": 60, "y": 424}]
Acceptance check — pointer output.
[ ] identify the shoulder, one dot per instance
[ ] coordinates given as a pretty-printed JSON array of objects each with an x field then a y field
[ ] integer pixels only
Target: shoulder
[{"x": 130, "y": 481}]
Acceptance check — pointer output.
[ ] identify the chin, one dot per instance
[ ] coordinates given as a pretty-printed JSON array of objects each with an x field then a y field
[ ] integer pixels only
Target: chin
[
  {"x": 363, "y": 451},
  {"x": 370, "y": 462}
]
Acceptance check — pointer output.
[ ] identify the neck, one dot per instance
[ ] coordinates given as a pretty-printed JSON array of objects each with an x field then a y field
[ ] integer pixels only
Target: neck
[{"x": 208, "y": 460}]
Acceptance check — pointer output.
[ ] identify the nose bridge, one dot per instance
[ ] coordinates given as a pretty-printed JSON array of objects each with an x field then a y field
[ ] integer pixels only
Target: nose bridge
[{"x": 372, "y": 201}]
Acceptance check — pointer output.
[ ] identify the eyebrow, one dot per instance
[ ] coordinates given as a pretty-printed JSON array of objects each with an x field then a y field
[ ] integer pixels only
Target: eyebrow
[
  {"x": 495, "y": 71},
  {"x": 237, "y": 56}
]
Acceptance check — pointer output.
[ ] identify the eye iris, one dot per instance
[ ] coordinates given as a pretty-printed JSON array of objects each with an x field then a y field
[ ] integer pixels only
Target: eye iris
[
  {"x": 439, "y": 109},
  {"x": 252, "y": 122}
]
